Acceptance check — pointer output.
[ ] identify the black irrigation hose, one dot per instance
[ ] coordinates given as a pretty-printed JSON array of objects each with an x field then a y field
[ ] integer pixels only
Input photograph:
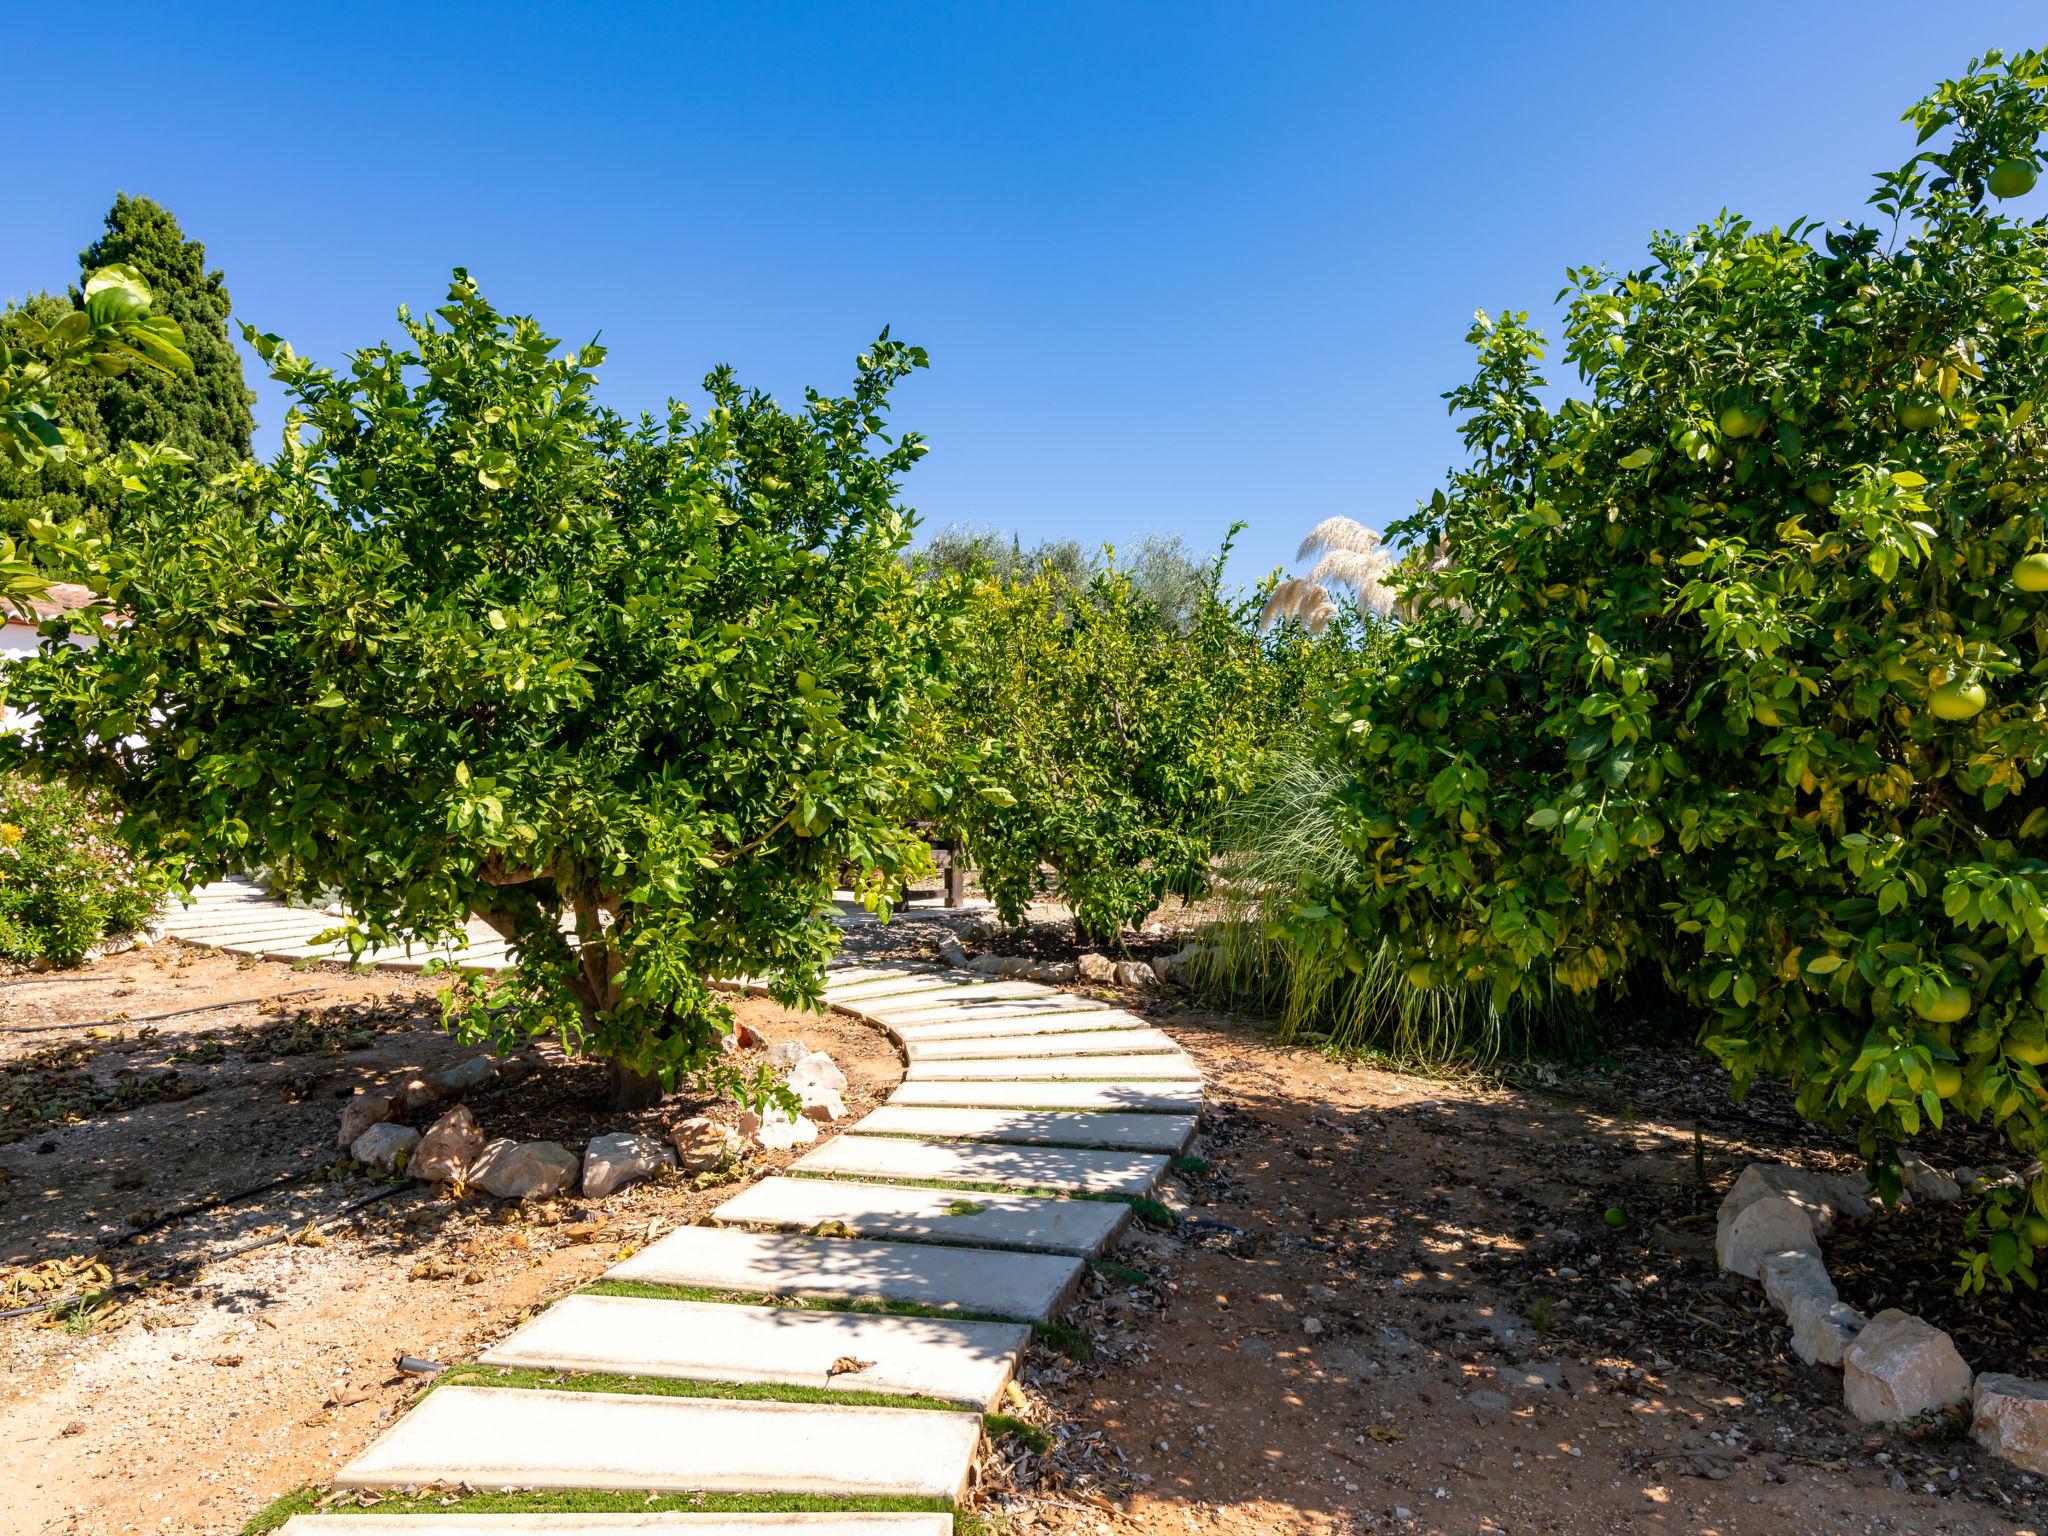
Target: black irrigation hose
[
  {"x": 203, "y": 1206},
  {"x": 158, "y": 1277},
  {"x": 175, "y": 1013}
]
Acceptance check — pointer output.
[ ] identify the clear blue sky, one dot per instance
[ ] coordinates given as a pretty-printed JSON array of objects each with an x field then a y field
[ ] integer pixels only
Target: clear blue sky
[{"x": 1177, "y": 265}]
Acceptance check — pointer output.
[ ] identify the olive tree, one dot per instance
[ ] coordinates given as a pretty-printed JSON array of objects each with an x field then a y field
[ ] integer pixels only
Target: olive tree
[{"x": 633, "y": 691}]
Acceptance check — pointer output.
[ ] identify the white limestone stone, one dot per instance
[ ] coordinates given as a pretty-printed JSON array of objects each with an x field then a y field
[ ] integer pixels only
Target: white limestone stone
[
  {"x": 948, "y": 1358},
  {"x": 1063, "y": 1168},
  {"x": 1160, "y": 1068},
  {"x": 519, "y": 1170},
  {"x": 1771, "y": 1225},
  {"x": 1901, "y": 1367},
  {"x": 1152, "y": 1097},
  {"x": 1026, "y": 1287},
  {"x": 1049, "y": 1128},
  {"x": 1825, "y": 1195},
  {"x": 1823, "y": 1330},
  {"x": 2012, "y": 1419},
  {"x": 506, "y": 1437},
  {"x": 907, "y": 1213},
  {"x": 382, "y": 1146},
  {"x": 622, "y": 1158}
]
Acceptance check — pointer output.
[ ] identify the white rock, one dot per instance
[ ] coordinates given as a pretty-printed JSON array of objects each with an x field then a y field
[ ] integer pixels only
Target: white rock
[
  {"x": 1924, "y": 1181},
  {"x": 1824, "y": 1194},
  {"x": 364, "y": 1111},
  {"x": 952, "y": 951},
  {"x": 822, "y": 1106},
  {"x": 1772, "y": 1225},
  {"x": 451, "y": 1144},
  {"x": 614, "y": 1161},
  {"x": 2012, "y": 1419},
  {"x": 466, "y": 1076},
  {"x": 1135, "y": 973},
  {"x": 417, "y": 1093},
  {"x": 703, "y": 1145},
  {"x": 1173, "y": 968},
  {"x": 1792, "y": 1274},
  {"x": 1095, "y": 967},
  {"x": 382, "y": 1146},
  {"x": 777, "y": 1132},
  {"x": 520, "y": 1170},
  {"x": 1899, "y": 1368},
  {"x": 816, "y": 1070},
  {"x": 1822, "y": 1331},
  {"x": 1054, "y": 972},
  {"x": 784, "y": 1054}
]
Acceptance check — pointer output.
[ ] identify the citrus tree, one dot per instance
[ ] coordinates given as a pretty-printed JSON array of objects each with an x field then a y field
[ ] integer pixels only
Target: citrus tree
[
  {"x": 632, "y": 691},
  {"x": 1090, "y": 734},
  {"x": 1736, "y": 678}
]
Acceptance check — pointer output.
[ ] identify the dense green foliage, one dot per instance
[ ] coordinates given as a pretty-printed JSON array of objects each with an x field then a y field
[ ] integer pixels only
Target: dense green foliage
[
  {"x": 66, "y": 880},
  {"x": 201, "y": 410},
  {"x": 632, "y": 692},
  {"x": 1695, "y": 700},
  {"x": 1161, "y": 569},
  {"x": 1090, "y": 737}
]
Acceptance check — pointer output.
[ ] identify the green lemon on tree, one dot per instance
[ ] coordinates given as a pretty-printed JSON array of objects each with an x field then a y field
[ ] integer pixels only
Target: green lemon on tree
[
  {"x": 2031, "y": 1049},
  {"x": 1740, "y": 421},
  {"x": 2031, "y": 573},
  {"x": 1917, "y": 413},
  {"x": 2013, "y": 178},
  {"x": 1948, "y": 1079},
  {"x": 1820, "y": 493},
  {"x": 1958, "y": 700},
  {"x": 1945, "y": 1006},
  {"x": 1896, "y": 669},
  {"x": 2034, "y": 1228},
  {"x": 1418, "y": 975}
]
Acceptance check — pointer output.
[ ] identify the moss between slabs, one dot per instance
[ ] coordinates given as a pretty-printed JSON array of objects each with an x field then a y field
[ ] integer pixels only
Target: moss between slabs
[
  {"x": 535, "y": 1378},
  {"x": 304, "y": 1501}
]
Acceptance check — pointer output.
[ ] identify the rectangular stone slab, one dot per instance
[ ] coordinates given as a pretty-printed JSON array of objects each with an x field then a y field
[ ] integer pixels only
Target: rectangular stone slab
[
  {"x": 876, "y": 987},
  {"x": 975, "y": 1026},
  {"x": 1092, "y": 1042},
  {"x": 909, "y": 1214},
  {"x": 508, "y": 1437},
  {"x": 677, "y": 1523},
  {"x": 962, "y": 1362},
  {"x": 1027, "y": 1287},
  {"x": 1157, "y": 1098},
  {"x": 1161, "y": 1068},
  {"x": 1045, "y": 1128},
  {"x": 916, "y": 1008},
  {"x": 980, "y": 1162}
]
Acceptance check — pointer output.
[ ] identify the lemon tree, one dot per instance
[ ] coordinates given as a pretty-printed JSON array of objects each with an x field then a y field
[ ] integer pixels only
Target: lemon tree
[
  {"x": 632, "y": 691},
  {"x": 1735, "y": 682}
]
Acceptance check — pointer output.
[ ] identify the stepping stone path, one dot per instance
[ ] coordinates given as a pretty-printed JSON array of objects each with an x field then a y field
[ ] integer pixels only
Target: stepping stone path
[{"x": 947, "y": 1225}]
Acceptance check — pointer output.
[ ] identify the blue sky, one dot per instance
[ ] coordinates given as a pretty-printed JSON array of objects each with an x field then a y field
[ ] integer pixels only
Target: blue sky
[{"x": 1177, "y": 265}]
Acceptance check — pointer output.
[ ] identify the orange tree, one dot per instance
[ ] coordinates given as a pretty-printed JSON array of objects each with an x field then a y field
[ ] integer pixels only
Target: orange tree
[
  {"x": 631, "y": 691},
  {"x": 1737, "y": 679}
]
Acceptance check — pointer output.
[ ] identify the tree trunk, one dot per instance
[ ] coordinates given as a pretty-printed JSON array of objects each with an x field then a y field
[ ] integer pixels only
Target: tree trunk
[{"x": 634, "y": 1090}]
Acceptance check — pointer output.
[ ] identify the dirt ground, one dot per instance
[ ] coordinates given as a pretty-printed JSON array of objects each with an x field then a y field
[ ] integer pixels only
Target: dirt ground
[
  {"x": 127, "y": 1094},
  {"x": 1341, "y": 1334}
]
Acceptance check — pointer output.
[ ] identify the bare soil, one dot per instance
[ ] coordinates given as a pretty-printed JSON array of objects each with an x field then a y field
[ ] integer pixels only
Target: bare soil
[
  {"x": 165, "y": 1079},
  {"x": 1394, "y": 1304}
]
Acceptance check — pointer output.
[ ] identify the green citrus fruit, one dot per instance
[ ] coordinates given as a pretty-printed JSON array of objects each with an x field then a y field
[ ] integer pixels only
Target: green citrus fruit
[
  {"x": 1418, "y": 975},
  {"x": 1896, "y": 669},
  {"x": 2033, "y": 1050},
  {"x": 2034, "y": 1228},
  {"x": 1820, "y": 493},
  {"x": 1615, "y": 1216},
  {"x": 2031, "y": 574},
  {"x": 1948, "y": 1005},
  {"x": 1917, "y": 413},
  {"x": 1958, "y": 701},
  {"x": 2013, "y": 178},
  {"x": 1948, "y": 1079},
  {"x": 1740, "y": 421}
]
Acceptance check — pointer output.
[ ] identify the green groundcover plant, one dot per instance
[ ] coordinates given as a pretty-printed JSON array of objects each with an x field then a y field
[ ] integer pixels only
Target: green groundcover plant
[
  {"x": 1736, "y": 679},
  {"x": 632, "y": 691},
  {"x": 66, "y": 879},
  {"x": 1090, "y": 734}
]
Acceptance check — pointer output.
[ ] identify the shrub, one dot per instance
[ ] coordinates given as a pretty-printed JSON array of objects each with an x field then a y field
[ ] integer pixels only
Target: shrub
[
  {"x": 1695, "y": 700},
  {"x": 630, "y": 691},
  {"x": 1091, "y": 736},
  {"x": 66, "y": 880}
]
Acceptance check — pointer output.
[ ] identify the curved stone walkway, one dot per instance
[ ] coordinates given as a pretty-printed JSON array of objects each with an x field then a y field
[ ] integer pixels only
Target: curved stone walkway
[{"x": 910, "y": 1257}]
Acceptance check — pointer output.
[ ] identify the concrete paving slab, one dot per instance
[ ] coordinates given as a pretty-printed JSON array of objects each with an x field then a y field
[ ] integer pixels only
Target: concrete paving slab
[
  {"x": 1133, "y": 1097},
  {"x": 913, "y": 1007},
  {"x": 504, "y": 1437},
  {"x": 954, "y": 1359},
  {"x": 1044, "y": 1128},
  {"x": 987, "y": 1026},
  {"x": 1075, "y": 1170},
  {"x": 1026, "y": 1287},
  {"x": 679, "y": 1523},
  {"x": 1092, "y": 1042},
  {"x": 909, "y": 1214},
  {"x": 955, "y": 991},
  {"x": 1162, "y": 1068}
]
